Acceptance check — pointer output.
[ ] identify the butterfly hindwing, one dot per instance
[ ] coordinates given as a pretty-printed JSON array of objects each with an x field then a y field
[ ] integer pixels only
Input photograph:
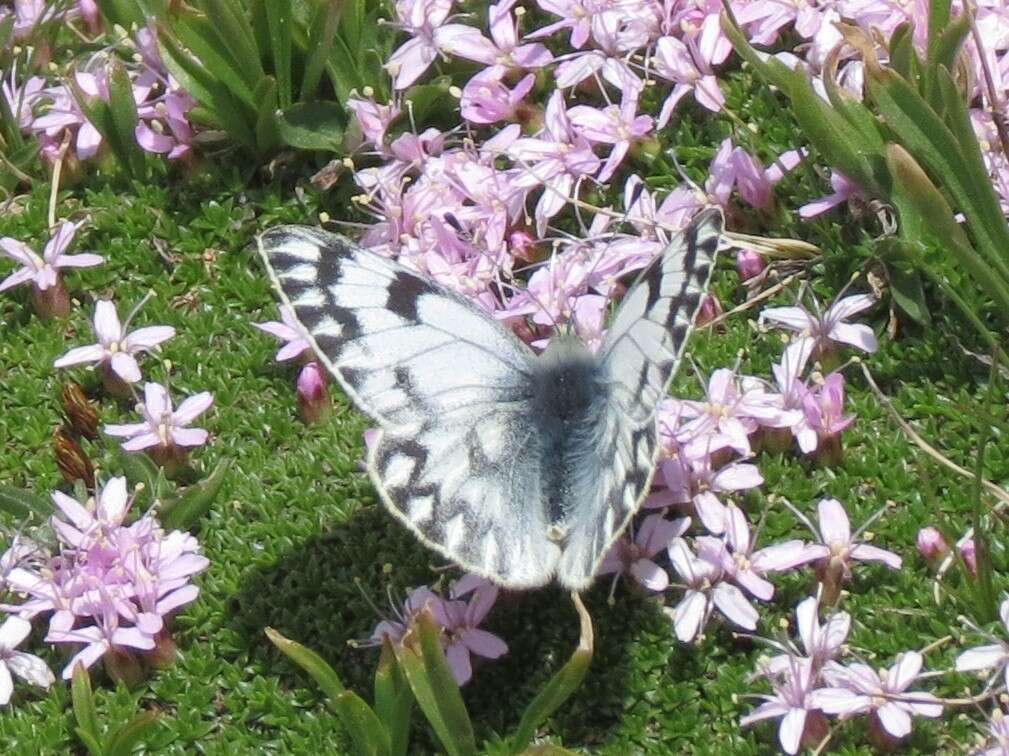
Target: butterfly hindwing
[{"x": 639, "y": 357}]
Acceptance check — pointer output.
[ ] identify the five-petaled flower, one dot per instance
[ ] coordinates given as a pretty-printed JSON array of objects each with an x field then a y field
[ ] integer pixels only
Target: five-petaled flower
[
  {"x": 51, "y": 297},
  {"x": 116, "y": 348},
  {"x": 28, "y": 667},
  {"x": 164, "y": 431},
  {"x": 828, "y": 329}
]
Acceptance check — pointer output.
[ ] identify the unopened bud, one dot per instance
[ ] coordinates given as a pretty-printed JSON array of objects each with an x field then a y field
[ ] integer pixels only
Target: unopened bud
[
  {"x": 931, "y": 544},
  {"x": 749, "y": 264},
  {"x": 313, "y": 394}
]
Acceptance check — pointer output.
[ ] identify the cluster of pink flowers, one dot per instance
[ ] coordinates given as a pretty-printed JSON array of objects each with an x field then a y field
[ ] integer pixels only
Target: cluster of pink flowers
[
  {"x": 108, "y": 587},
  {"x": 52, "y": 113},
  {"x": 459, "y": 618},
  {"x": 809, "y": 683}
]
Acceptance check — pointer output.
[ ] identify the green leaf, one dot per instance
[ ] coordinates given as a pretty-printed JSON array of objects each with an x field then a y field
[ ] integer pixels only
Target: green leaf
[
  {"x": 313, "y": 126},
  {"x": 124, "y": 118},
  {"x": 229, "y": 19},
  {"x": 436, "y": 691},
  {"x": 429, "y": 100},
  {"x": 393, "y": 700},
  {"x": 317, "y": 667},
  {"x": 126, "y": 738},
  {"x": 184, "y": 512},
  {"x": 23, "y": 504},
  {"x": 267, "y": 127},
  {"x": 280, "y": 28},
  {"x": 199, "y": 36},
  {"x": 6, "y": 30},
  {"x": 908, "y": 294},
  {"x": 364, "y": 727},
  {"x": 560, "y": 687},
  {"x": 125, "y": 13},
  {"x": 84, "y": 709},
  {"x": 139, "y": 468},
  {"x": 321, "y": 31}
]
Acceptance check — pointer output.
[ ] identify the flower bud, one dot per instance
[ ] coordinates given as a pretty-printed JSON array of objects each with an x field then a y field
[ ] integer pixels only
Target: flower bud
[
  {"x": 749, "y": 264},
  {"x": 968, "y": 552},
  {"x": 710, "y": 309},
  {"x": 80, "y": 412},
  {"x": 72, "y": 460},
  {"x": 313, "y": 395},
  {"x": 931, "y": 544}
]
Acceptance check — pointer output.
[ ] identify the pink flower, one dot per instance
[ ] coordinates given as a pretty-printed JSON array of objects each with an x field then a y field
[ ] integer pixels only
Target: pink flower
[
  {"x": 288, "y": 331},
  {"x": 681, "y": 63},
  {"x": 373, "y": 119},
  {"x": 164, "y": 427},
  {"x": 99, "y": 639},
  {"x": 575, "y": 15},
  {"x": 634, "y": 556},
  {"x": 968, "y": 552},
  {"x": 795, "y": 703},
  {"x": 461, "y": 620},
  {"x": 994, "y": 656},
  {"x": 420, "y": 19},
  {"x": 825, "y": 419},
  {"x": 705, "y": 591},
  {"x": 830, "y": 328},
  {"x": 821, "y": 643},
  {"x": 858, "y": 689},
  {"x": 116, "y": 348},
  {"x": 844, "y": 190},
  {"x": 502, "y": 49},
  {"x": 616, "y": 125},
  {"x": 28, "y": 667},
  {"x": 486, "y": 98},
  {"x": 44, "y": 271},
  {"x": 396, "y": 627}
]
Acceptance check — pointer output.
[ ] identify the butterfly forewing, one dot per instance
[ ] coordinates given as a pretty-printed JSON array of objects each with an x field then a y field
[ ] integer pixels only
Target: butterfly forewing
[
  {"x": 450, "y": 388},
  {"x": 639, "y": 357}
]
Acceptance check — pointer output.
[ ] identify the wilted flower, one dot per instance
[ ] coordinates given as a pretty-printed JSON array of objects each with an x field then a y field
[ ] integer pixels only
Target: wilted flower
[
  {"x": 116, "y": 349},
  {"x": 80, "y": 412},
  {"x": 51, "y": 298},
  {"x": 71, "y": 459},
  {"x": 28, "y": 667}
]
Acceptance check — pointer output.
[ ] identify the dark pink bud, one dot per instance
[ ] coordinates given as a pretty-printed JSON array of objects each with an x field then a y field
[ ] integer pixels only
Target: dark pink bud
[
  {"x": 313, "y": 394},
  {"x": 749, "y": 264},
  {"x": 931, "y": 544},
  {"x": 710, "y": 309}
]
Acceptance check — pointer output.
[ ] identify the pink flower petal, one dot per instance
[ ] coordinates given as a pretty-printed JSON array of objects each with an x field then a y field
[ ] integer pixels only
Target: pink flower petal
[
  {"x": 485, "y": 644},
  {"x": 982, "y": 657},
  {"x": 834, "y": 524},
  {"x": 80, "y": 355},
  {"x": 6, "y": 684},
  {"x": 106, "y": 323},
  {"x": 865, "y": 553},
  {"x": 143, "y": 441},
  {"x": 688, "y": 616},
  {"x": 192, "y": 408},
  {"x": 650, "y": 575},
  {"x": 146, "y": 338},
  {"x": 189, "y": 437},
  {"x": 73, "y": 509},
  {"x": 790, "y": 730},
  {"x": 734, "y": 605},
  {"x": 13, "y": 630},
  {"x": 83, "y": 260},
  {"x": 125, "y": 366},
  {"x": 795, "y": 318},
  {"x": 18, "y": 277},
  {"x": 894, "y": 719},
  {"x": 856, "y": 334}
]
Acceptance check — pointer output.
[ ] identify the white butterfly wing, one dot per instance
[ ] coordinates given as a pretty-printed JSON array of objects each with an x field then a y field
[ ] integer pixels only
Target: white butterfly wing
[
  {"x": 639, "y": 357},
  {"x": 449, "y": 387}
]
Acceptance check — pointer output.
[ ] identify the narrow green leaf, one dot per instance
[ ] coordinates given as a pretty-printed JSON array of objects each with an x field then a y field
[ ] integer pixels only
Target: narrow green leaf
[
  {"x": 902, "y": 49},
  {"x": 184, "y": 512},
  {"x": 139, "y": 468},
  {"x": 6, "y": 30},
  {"x": 94, "y": 746},
  {"x": 84, "y": 709},
  {"x": 124, "y": 118},
  {"x": 412, "y": 665},
  {"x": 393, "y": 700},
  {"x": 560, "y": 687},
  {"x": 907, "y": 292},
  {"x": 126, "y": 738},
  {"x": 932, "y": 207},
  {"x": 267, "y": 128},
  {"x": 229, "y": 18},
  {"x": 321, "y": 31},
  {"x": 429, "y": 100},
  {"x": 202, "y": 39},
  {"x": 365, "y": 729},
  {"x": 125, "y": 13},
  {"x": 547, "y": 749},
  {"x": 313, "y": 126},
  {"x": 280, "y": 26},
  {"x": 317, "y": 667},
  {"x": 23, "y": 504},
  {"x": 449, "y": 697}
]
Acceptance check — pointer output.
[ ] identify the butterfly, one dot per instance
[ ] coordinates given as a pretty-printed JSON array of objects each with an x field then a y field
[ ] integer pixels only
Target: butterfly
[{"x": 521, "y": 467}]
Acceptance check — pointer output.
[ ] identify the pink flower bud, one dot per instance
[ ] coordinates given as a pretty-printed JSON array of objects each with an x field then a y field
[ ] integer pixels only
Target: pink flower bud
[
  {"x": 313, "y": 395},
  {"x": 710, "y": 309},
  {"x": 931, "y": 544},
  {"x": 968, "y": 552},
  {"x": 749, "y": 264}
]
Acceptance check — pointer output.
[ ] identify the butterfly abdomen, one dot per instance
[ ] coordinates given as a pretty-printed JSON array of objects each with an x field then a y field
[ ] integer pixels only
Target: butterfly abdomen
[{"x": 570, "y": 398}]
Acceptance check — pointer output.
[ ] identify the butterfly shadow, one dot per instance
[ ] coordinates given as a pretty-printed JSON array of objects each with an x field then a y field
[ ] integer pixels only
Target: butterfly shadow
[{"x": 323, "y": 593}]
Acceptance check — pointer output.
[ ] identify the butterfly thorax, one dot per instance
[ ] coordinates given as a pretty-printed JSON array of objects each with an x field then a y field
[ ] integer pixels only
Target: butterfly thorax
[{"x": 570, "y": 396}]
